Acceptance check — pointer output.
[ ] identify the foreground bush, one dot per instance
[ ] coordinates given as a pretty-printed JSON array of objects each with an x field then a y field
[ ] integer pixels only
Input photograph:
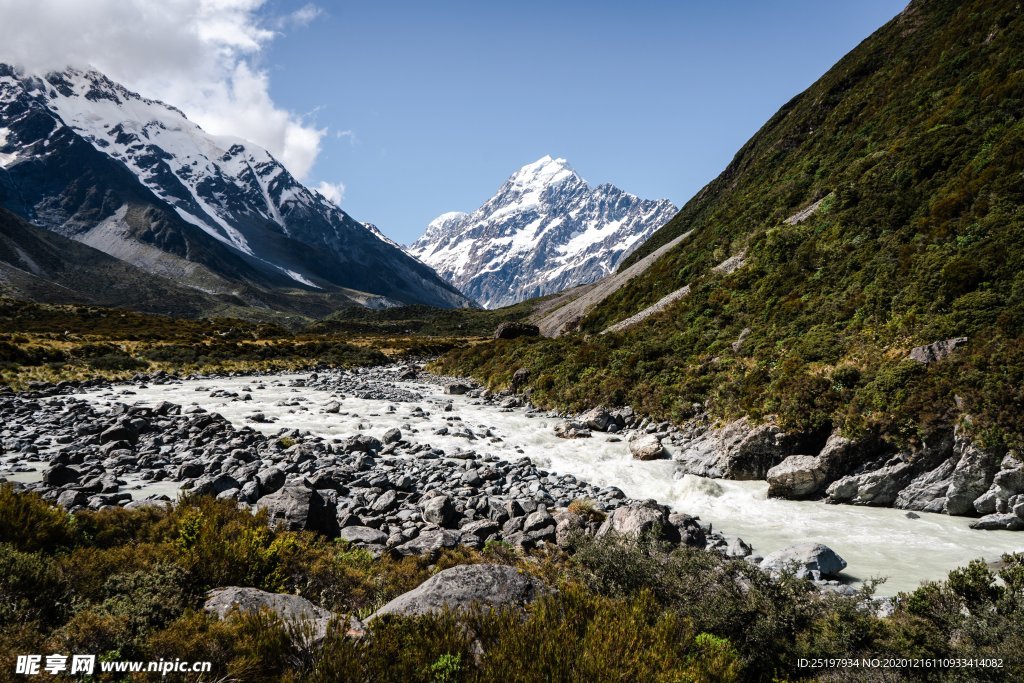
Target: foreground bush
[{"x": 129, "y": 585}]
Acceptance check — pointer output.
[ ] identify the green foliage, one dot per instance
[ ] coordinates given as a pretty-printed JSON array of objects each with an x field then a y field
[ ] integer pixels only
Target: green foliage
[
  {"x": 447, "y": 667},
  {"x": 130, "y": 584},
  {"x": 29, "y": 523}
]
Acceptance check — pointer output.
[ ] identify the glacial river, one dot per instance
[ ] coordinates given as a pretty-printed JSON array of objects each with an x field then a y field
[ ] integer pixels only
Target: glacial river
[{"x": 876, "y": 542}]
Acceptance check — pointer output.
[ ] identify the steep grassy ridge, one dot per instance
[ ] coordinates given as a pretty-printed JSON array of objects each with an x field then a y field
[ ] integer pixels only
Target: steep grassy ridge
[{"x": 915, "y": 143}]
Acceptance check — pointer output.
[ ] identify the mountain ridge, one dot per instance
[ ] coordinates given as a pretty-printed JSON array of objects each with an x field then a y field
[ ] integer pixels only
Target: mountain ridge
[{"x": 77, "y": 149}]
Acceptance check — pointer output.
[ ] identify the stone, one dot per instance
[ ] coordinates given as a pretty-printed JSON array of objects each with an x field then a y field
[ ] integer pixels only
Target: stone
[
  {"x": 877, "y": 488},
  {"x": 973, "y": 475},
  {"x": 119, "y": 432},
  {"x": 457, "y": 388},
  {"x": 646, "y": 447},
  {"x": 514, "y": 330},
  {"x": 597, "y": 419},
  {"x": 1007, "y": 520},
  {"x": 297, "y": 508},
  {"x": 538, "y": 520},
  {"x": 362, "y": 535},
  {"x": 465, "y": 587},
  {"x": 519, "y": 379},
  {"x": 1010, "y": 479},
  {"x": 740, "y": 450},
  {"x": 810, "y": 560},
  {"x": 936, "y": 351},
  {"x": 71, "y": 499},
  {"x": 927, "y": 492},
  {"x": 571, "y": 430},
  {"x": 636, "y": 519},
  {"x": 438, "y": 510},
  {"x": 690, "y": 531},
  {"x": 393, "y": 435},
  {"x": 796, "y": 477},
  {"x": 385, "y": 501},
  {"x": 291, "y": 609},
  {"x": 61, "y": 475},
  {"x": 270, "y": 480},
  {"x": 481, "y": 528},
  {"x": 429, "y": 543}
]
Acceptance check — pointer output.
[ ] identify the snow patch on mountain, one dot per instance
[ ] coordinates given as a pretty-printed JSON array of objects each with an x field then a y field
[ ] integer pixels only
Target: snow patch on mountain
[{"x": 544, "y": 231}]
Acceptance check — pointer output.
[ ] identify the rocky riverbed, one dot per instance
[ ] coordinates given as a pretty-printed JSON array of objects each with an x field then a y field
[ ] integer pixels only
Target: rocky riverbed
[{"x": 399, "y": 461}]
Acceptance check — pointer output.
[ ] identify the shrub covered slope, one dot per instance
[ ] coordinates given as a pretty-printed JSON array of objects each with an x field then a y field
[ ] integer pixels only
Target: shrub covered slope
[
  {"x": 914, "y": 143},
  {"x": 129, "y": 585}
]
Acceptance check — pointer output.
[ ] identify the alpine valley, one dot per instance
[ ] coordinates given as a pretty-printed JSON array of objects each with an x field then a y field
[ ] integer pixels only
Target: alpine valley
[{"x": 774, "y": 435}]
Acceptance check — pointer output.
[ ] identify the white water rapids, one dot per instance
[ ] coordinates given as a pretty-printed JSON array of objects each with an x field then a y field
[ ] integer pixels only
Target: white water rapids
[{"x": 876, "y": 542}]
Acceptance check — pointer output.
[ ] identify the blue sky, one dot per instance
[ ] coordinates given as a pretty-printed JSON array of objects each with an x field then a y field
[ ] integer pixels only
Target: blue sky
[{"x": 431, "y": 105}]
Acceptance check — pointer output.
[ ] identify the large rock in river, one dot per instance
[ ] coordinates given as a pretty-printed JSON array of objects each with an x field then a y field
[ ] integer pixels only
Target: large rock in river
[
  {"x": 798, "y": 476},
  {"x": 490, "y": 586},
  {"x": 742, "y": 450},
  {"x": 646, "y": 447}
]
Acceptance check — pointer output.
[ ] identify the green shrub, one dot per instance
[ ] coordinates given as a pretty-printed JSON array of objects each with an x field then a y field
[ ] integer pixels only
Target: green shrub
[{"x": 29, "y": 523}]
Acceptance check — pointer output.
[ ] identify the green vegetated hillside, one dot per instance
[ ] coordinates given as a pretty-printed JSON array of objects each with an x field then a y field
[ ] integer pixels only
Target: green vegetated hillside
[{"x": 914, "y": 142}]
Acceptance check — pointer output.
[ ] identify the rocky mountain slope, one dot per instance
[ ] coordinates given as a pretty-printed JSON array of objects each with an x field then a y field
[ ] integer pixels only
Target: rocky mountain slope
[
  {"x": 90, "y": 160},
  {"x": 38, "y": 265},
  {"x": 544, "y": 231},
  {"x": 856, "y": 270}
]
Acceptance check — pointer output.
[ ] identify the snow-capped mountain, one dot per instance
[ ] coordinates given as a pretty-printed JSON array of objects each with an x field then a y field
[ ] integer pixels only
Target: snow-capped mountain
[
  {"x": 544, "y": 231},
  {"x": 87, "y": 158}
]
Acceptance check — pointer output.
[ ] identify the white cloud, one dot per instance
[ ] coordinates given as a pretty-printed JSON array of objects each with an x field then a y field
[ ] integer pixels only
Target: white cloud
[
  {"x": 332, "y": 192},
  {"x": 202, "y": 56},
  {"x": 300, "y": 17}
]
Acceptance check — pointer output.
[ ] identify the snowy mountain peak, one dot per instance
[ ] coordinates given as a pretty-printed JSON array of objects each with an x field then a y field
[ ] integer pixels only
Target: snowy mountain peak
[
  {"x": 543, "y": 172},
  {"x": 545, "y": 230}
]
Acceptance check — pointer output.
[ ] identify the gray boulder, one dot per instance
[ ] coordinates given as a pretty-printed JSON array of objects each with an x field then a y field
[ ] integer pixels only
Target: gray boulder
[
  {"x": 798, "y": 476},
  {"x": 297, "y": 508},
  {"x": 457, "y": 388},
  {"x": 291, "y": 609},
  {"x": 636, "y": 519},
  {"x": 429, "y": 543},
  {"x": 646, "y": 447},
  {"x": 270, "y": 480},
  {"x": 571, "y": 430},
  {"x": 61, "y": 475},
  {"x": 363, "y": 535},
  {"x": 71, "y": 499},
  {"x": 1006, "y": 520},
  {"x": 927, "y": 492},
  {"x": 810, "y": 560},
  {"x": 739, "y": 450},
  {"x": 439, "y": 510},
  {"x": 489, "y": 586},
  {"x": 119, "y": 432},
  {"x": 877, "y": 487},
  {"x": 597, "y": 419},
  {"x": 973, "y": 475}
]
